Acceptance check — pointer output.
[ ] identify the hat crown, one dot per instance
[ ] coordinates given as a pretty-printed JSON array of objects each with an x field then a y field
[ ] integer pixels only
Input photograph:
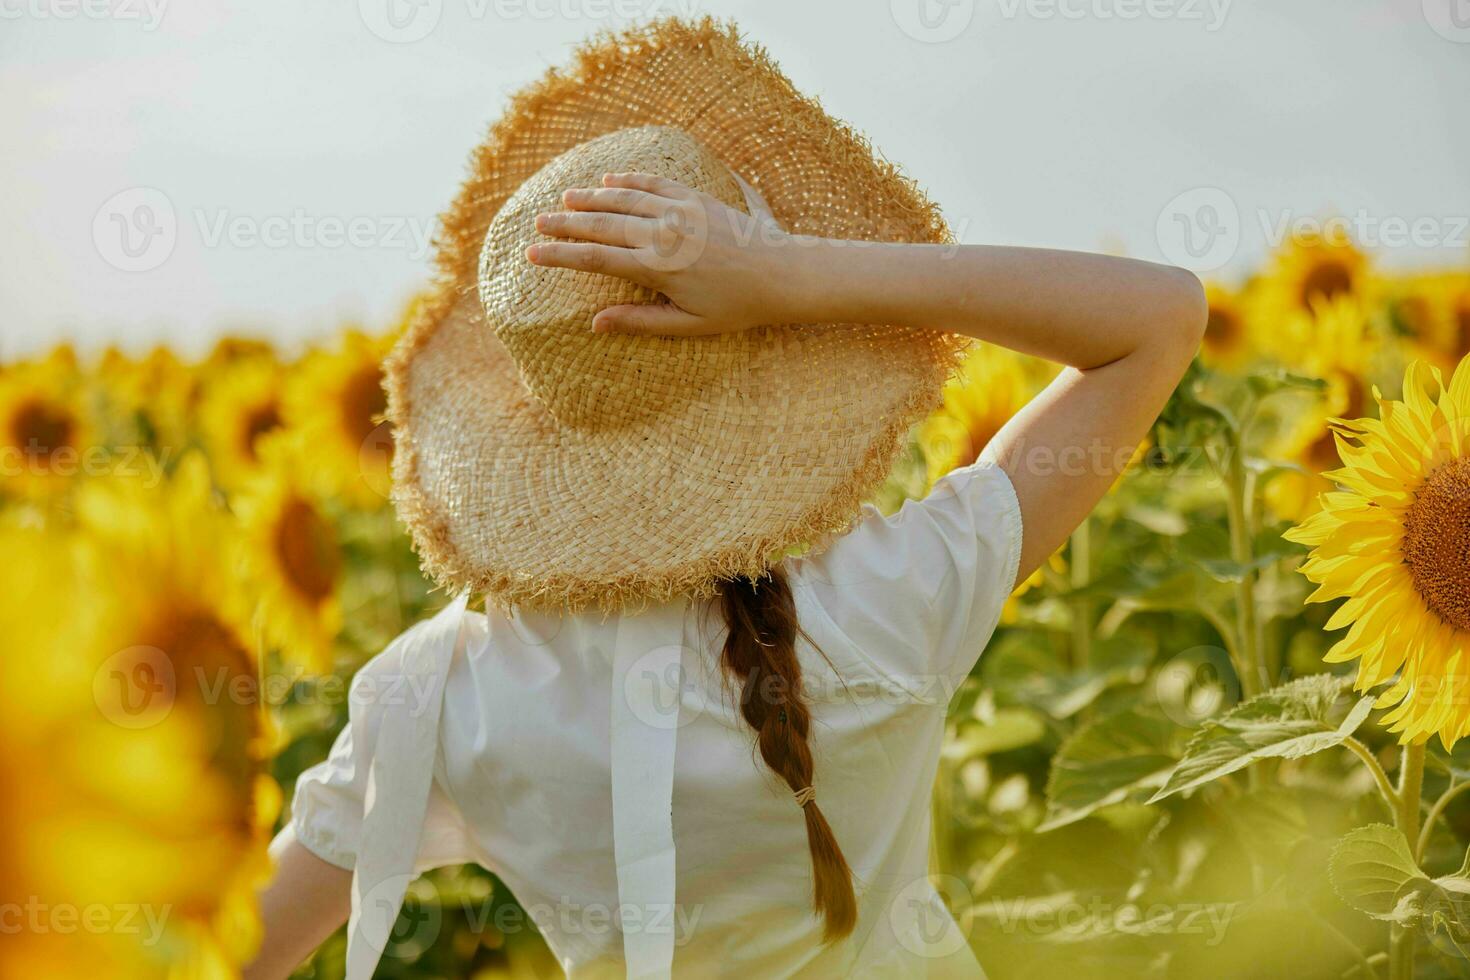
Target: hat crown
[{"x": 543, "y": 316}]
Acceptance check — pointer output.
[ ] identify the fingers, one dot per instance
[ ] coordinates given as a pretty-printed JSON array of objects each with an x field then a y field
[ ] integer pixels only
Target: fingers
[
  {"x": 608, "y": 260},
  {"x": 650, "y": 319},
  {"x": 650, "y": 183},
  {"x": 594, "y": 226},
  {"x": 621, "y": 200}
]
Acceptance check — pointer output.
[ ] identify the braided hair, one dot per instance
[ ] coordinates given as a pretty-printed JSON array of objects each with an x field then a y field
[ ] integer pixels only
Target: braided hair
[{"x": 760, "y": 653}]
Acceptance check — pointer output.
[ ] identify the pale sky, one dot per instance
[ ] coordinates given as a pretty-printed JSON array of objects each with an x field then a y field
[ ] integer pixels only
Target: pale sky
[{"x": 173, "y": 170}]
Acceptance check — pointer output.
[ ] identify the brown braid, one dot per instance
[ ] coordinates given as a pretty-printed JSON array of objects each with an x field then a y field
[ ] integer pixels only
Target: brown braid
[{"x": 760, "y": 652}]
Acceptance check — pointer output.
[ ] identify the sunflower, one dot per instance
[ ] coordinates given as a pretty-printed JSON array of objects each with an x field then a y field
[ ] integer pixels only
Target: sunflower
[
  {"x": 241, "y": 406},
  {"x": 151, "y": 397},
  {"x": 335, "y": 402},
  {"x": 991, "y": 386},
  {"x": 1314, "y": 265},
  {"x": 1338, "y": 346},
  {"x": 138, "y": 712},
  {"x": 1432, "y": 314},
  {"x": 46, "y": 427},
  {"x": 295, "y": 555},
  {"x": 233, "y": 349},
  {"x": 1394, "y": 543},
  {"x": 1228, "y": 342}
]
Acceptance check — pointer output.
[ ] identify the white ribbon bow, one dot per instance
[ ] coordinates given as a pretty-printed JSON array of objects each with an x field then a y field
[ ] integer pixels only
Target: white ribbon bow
[
  {"x": 400, "y": 774},
  {"x": 643, "y": 728}
]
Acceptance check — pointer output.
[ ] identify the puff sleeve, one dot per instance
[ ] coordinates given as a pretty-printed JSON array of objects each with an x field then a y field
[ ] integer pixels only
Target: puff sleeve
[
  {"x": 328, "y": 805},
  {"x": 920, "y": 592}
]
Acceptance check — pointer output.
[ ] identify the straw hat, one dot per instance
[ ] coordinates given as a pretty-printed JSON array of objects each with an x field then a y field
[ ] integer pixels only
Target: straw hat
[{"x": 550, "y": 466}]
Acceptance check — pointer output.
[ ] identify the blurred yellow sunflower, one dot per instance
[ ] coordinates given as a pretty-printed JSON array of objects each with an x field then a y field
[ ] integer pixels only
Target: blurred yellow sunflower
[
  {"x": 1432, "y": 314},
  {"x": 150, "y": 396},
  {"x": 1338, "y": 345},
  {"x": 1010, "y": 613},
  {"x": 295, "y": 556},
  {"x": 240, "y": 408},
  {"x": 141, "y": 704},
  {"x": 335, "y": 402},
  {"x": 1394, "y": 543},
  {"x": 990, "y": 387},
  {"x": 1228, "y": 343},
  {"x": 46, "y": 427},
  {"x": 1314, "y": 265},
  {"x": 232, "y": 349}
]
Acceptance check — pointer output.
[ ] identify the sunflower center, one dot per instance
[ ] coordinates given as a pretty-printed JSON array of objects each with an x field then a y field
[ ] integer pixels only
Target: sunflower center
[
  {"x": 363, "y": 402},
  {"x": 307, "y": 550},
  {"x": 40, "y": 429},
  {"x": 1222, "y": 327},
  {"x": 209, "y": 663},
  {"x": 1325, "y": 280},
  {"x": 261, "y": 419},
  {"x": 1413, "y": 316},
  {"x": 1437, "y": 542},
  {"x": 1322, "y": 455}
]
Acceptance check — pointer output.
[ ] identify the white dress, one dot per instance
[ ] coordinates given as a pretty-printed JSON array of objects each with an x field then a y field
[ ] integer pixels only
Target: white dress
[{"x": 600, "y": 769}]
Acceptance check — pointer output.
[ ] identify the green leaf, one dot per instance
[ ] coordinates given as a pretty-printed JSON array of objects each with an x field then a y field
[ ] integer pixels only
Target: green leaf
[
  {"x": 1008, "y": 728},
  {"x": 1026, "y": 675},
  {"x": 1269, "y": 382},
  {"x": 1157, "y": 519},
  {"x": 1110, "y": 761},
  {"x": 1374, "y": 872},
  {"x": 1287, "y": 722}
]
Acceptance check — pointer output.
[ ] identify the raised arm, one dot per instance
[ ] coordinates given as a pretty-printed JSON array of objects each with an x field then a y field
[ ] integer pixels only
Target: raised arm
[{"x": 1125, "y": 329}]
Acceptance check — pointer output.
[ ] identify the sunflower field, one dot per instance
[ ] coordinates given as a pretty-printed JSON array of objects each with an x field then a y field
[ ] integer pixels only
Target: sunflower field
[{"x": 1219, "y": 734}]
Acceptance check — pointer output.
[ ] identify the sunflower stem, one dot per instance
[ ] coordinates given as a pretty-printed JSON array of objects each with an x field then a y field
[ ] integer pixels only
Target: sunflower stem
[
  {"x": 1411, "y": 784},
  {"x": 1390, "y": 795},
  {"x": 1081, "y": 605},
  {"x": 1256, "y": 677},
  {"x": 1434, "y": 812}
]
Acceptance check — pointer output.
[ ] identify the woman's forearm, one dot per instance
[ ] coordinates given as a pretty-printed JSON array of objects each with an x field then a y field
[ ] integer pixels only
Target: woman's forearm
[
  {"x": 305, "y": 902},
  {"x": 1070, "y": 307}
]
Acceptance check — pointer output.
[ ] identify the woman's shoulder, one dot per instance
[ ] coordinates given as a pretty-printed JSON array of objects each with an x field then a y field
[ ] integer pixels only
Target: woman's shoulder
[{"x": 921, "y": 589}]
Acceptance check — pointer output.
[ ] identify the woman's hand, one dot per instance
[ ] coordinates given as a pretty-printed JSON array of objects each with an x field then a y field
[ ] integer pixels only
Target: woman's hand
[{"x": 718, "y": 267}]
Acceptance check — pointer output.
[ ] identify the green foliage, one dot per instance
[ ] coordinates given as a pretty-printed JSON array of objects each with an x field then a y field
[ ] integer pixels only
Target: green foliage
[
  {"x": 1289, "y": 722},
  {"x": 1374, "y": 872},
  {"x": 1119, "y": 758}
]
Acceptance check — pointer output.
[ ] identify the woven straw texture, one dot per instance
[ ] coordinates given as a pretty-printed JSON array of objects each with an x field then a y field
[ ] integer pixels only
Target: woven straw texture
[{"x": 552, "y": 467}]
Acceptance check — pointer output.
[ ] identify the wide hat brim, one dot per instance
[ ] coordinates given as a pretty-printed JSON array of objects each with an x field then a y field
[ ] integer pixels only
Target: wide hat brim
[{"x": 500, "y": 497}]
